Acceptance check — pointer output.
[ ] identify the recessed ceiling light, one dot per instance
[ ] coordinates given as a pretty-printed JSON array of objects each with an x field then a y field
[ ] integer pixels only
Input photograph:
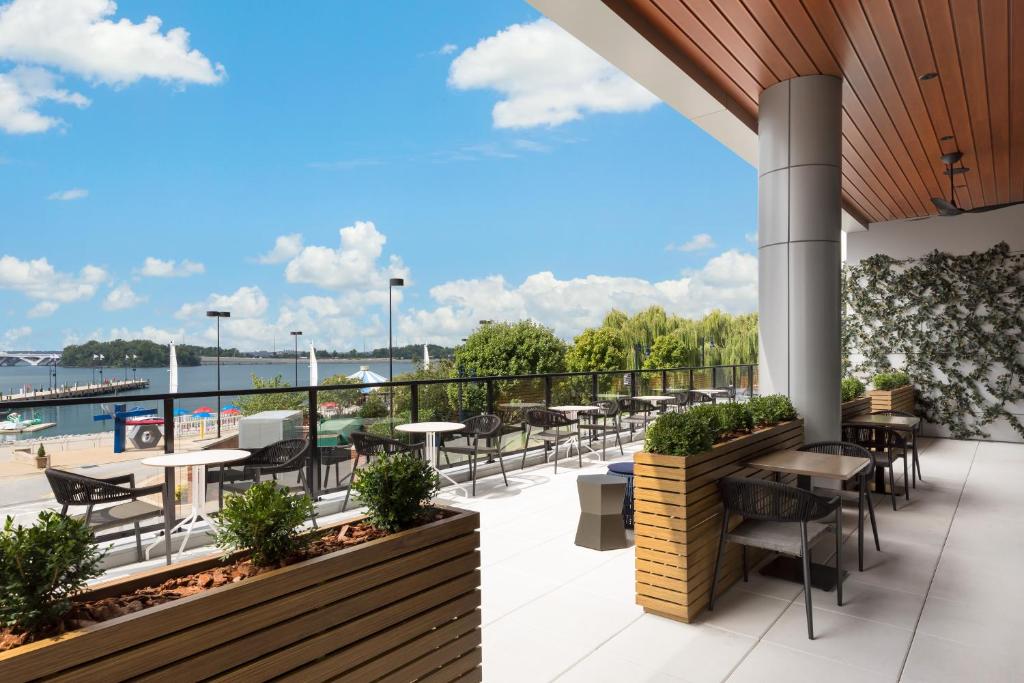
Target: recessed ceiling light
[
  {"x": 946, "y": 138},
  {"x": 928, "y": 76}
]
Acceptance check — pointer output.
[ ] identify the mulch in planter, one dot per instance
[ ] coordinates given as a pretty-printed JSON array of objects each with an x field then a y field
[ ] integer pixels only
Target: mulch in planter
[{"x": 84, "y": 614}]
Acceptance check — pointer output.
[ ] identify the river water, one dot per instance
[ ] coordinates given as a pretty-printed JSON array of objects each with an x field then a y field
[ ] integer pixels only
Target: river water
[{"x": 79, "y": 419}]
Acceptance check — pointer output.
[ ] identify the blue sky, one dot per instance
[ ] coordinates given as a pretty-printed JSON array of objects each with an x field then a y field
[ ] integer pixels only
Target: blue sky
[{"x": 487, "y": 173}]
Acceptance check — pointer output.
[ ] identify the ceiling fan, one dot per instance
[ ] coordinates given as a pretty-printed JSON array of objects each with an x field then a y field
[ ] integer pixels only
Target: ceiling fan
[{"x": 949, "y": 207}]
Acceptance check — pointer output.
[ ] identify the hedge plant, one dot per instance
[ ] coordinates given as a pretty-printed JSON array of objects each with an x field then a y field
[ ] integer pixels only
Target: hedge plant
[
  {"x": 771, "y": 409},
  {"x": 699, "y": 428},
  {"x": 887, "y": 381},
  {"x": 266, "y": 521},
  {"x": 396, "y": 490}
]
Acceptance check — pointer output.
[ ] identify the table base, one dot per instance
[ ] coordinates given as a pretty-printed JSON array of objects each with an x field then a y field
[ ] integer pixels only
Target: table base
[
  {"x": 431, "y": 451},
  {"x": 791, "y": 569},
  {"x": 197, "y": 512}
]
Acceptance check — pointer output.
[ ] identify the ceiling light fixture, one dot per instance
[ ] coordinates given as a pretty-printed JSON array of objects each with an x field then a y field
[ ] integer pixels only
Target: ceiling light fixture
[{"x": 928, "y": 76}]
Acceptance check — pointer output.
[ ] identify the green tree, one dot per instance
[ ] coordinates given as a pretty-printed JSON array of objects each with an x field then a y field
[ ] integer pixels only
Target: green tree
[
  {"x": 596, "y": 349},
  {"x": 433, "y": 403},
  {"x": 670, "y": 351},
  {"x": 257, "y": 403}
]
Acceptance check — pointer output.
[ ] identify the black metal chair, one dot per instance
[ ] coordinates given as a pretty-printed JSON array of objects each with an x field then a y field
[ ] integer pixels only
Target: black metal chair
[
  {"x": 369, "y": 446},
  {"x": 636, "y": 412},
  {"x": 77, "y": 490},
  {"x": 863, "y": 485},
  {"x": 770, "y": 513},
  {"x": 478, "y": 428},
  {"x": 915, "y": 466},
  {"x": 888, "y": 446},
  {"x": 283, "y": 457},
  {"x": 603, "y": 420},
  {"x": 551, "y": 424},
  {"x": 334, "y": 456}
]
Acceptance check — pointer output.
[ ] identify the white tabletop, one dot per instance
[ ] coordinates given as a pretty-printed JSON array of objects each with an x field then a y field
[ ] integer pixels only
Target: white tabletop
[
  {"x": 430, "y": 427},
  {"x": 191, "y": 458},
  {"x": 713, "y": 391},
  {"x": 655, "y": 399},
  {"x": 574, "y": 409}
]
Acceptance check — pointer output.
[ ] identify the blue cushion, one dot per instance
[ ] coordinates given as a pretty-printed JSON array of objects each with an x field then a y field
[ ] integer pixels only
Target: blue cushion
[{"x": 625, "y": 468}]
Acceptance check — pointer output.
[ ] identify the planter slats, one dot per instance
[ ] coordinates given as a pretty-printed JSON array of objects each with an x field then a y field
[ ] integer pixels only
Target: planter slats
[
  {"x": 433, "y": 657},
  {"x": 900, "y": 398},
  {"x": 857, "y": 406},
  {"x": 279, "y": 620},
  {"x": 678, "y": 519}
]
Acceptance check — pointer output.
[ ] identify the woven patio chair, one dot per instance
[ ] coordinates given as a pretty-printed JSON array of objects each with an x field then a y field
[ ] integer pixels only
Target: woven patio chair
[
  {"x": 479, "y": 432},
  {"x": 603, "y": 421},
  {"x": 555, "y": 428},
  {"x": 636, "y": 412},
  {"x": 369, "y": 446},
  {"x": 915, "y": 467}
]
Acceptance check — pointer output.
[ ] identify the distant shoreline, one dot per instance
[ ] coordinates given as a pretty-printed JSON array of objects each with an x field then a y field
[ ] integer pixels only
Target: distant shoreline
[{"x": 241, "y": 360}]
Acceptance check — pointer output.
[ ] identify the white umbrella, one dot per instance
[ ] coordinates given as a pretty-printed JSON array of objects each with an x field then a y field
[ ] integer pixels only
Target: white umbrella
[
  {"x": 367, "y": 376},
  {"x": 314, "y": 372},
  {"x": 426, "y": 357},
  {"x": 173, "y": 388}
]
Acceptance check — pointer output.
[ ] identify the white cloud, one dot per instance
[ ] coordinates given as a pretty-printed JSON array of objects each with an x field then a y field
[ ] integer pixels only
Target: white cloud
[
  {"x": 695, "y": 243},
  {"x": 14, "y": 334},
  {"x": 245, "y": 303},
  {"x": 43, "y": 309},
  {"x": 545, "y": 77},
  {"x": 285, "y": 247},
  {"x": 727, "y": 281},
  {"x": 22, "y": 89},
  {"x": 750, "y": 237},
  {"x": 80, "y": 37},
  {"x": 69, "y": 195},
  {"x": 122, "y": 297},
  {"x": 38, "y": 279},
  {"x": 447, "y": 49},
  {"x": 154, "y": 267},
  {"x": 352, "y": 266}
]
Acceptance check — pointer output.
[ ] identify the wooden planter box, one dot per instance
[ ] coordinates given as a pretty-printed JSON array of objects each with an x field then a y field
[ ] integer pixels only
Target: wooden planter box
[
  {"x": 677, "y": 516},
  {"x": 900, "y": 398},
  {"x": 405, "y": 606},
  {"x": 857, "y": 406}
]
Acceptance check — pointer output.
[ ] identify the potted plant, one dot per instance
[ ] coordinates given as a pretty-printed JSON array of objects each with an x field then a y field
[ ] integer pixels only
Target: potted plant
[
  {"x": 892, "y": 390},
  {"x": 853, "y": 400},
  {"x": 42, "y": 460},
  {"x": 395, "y": 593},
  {"x": 676, "y": 499}
]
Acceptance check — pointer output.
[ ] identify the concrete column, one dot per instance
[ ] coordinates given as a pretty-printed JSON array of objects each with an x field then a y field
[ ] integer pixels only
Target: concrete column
[{"x": 799, "y": 214}]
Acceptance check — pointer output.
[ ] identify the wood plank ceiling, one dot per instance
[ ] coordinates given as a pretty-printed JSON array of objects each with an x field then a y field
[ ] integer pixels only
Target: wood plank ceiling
[{"x": 895, "y": 124}]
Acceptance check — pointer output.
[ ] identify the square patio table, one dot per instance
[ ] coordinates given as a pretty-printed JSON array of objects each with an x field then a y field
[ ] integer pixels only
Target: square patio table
[{"x": 897, "y": 422}]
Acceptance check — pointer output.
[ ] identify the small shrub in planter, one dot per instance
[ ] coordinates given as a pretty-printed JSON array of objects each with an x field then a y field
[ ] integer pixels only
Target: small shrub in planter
[
  {"x": 265, "y": 520},
  {"x": 887, "y": 381},
  {"x": 735, "y": 417},
  {"x": 42, "y": 567},
  {"x": 771, "y": 409},
  {"x": 851, "y": 388},
  {"x": 679, "y": 434},
  {"x": 396, "y": 490},
  {"x": 711, "y": 416}
]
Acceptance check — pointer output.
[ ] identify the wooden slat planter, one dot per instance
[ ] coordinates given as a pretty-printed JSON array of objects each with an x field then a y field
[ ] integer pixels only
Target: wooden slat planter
[
  {"x": 900, "y": 398},
  {"x": 678, "y": 511},
  {"x": 406, "y": 606},
  {"x": 857, "y": 406}
]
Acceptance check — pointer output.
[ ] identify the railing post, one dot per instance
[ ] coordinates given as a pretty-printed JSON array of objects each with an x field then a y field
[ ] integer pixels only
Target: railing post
[
  {"x": 168, "y": 425},
  {"x": 313, "y": 471},
  {"x": 664, "y": 381},
  {"x": 490, "y": 396},
  {"x": 593, "y": 387},
  {"x": 547, "y": 390},
  {"x": 750, "y": 380},
  {"x": 632, "y": 383},
  {"x": 414, "y": 401},
  {"x": 691, "y": 380}
]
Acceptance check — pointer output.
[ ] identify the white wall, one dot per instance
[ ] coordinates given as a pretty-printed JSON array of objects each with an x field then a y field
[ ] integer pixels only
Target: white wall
[{"x": 955, "y": 235}]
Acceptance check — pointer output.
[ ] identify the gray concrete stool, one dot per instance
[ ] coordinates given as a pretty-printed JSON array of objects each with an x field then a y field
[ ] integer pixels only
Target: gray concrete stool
[{"x": 600, "y": 524}]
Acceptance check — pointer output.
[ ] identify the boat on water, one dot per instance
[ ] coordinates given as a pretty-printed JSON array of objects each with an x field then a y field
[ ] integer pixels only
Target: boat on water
[{"x": 15, "y": 424}]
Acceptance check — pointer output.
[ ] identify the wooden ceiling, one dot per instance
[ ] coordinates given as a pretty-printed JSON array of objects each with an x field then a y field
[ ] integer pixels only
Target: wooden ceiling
[{"x": 895, "y": 125}]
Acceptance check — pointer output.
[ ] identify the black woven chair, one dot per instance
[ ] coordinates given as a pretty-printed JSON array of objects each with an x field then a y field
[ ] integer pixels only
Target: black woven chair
[
  {"x": 863, "y": 484},
  {"x": 283, "y": 457},
  {"x": 77, "y": 490},
  {"x": 334, "y": 456},
  {"x": 636, "y": 413},
  {"x": 369, "y": 446},
  {"x": 603, "y": 421},
  {"x": 779, "y": 518},
  {"x": 915, "y": 466},
  {"x": 555, "y": 428},
  {"x": 888, "y": 446},
  {"x": 485, "y": 428}
]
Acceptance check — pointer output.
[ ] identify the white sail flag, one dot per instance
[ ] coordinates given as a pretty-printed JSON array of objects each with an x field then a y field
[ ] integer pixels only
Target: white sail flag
[
  {"x": 173, "y": 369},
  {"x": 314, "y": 371}
]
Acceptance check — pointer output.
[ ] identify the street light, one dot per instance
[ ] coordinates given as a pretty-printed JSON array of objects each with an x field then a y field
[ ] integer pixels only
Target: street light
[
  {"x": 135, "y": 358},
  {"x": 126, "y": 357},
  {"x": 97, "y": 357},
  {"x": 218, "y": 315},
  {"x": 296, "y": 334}
]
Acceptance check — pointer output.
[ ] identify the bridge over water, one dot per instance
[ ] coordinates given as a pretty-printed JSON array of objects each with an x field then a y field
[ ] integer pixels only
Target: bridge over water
[{"x": 8, "y": 358}]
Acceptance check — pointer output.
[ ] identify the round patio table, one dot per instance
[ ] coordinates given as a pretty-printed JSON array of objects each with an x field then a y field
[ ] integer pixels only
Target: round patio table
[
  {"x": 197, "y": 462},
  {"x": 430, "y": 430},
  {"x": 573, "y": 412}
]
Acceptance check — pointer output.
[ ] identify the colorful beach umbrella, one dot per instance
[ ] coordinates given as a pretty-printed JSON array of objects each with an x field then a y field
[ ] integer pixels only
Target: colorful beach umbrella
[
  {"x": 367, "y": 376},
  {"x": 231, "y": 411},
  {"x": 230, "y": 406},
  {"x": 180, "y": 411}
]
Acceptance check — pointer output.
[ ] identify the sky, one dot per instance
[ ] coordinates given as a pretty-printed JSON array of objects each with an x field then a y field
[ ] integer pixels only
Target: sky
[{"x": 159, "y": 159}]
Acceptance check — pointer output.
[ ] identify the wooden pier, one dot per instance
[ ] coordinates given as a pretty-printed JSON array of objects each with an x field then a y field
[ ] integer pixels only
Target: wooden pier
[{"x": 78, "y": 390}]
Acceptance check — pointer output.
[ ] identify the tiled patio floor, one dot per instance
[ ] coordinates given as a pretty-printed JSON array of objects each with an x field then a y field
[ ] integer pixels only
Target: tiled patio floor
[{"x": 940, "y": 603}]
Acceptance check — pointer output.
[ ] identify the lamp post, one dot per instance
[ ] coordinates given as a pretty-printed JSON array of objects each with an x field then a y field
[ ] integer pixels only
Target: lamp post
[
  {"x": 99, "y": 357},
  {"x": 218, "y": 315},
  {"x": 126, "y": 358},
  {"x": 295, "y": 335},
  {"x": 135, "y": 359},
  {"x": 392, "y": 283}
]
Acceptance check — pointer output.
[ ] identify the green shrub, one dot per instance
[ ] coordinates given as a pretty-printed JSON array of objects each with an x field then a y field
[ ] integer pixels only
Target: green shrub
[
  {"x": 735, "y": 417},
  {"x": 396, "y": 490},
  {"x": 890, "y": 380},
  {"x": 851, "y": 388},
  {"x": 771, "y": 409},
  {"x": 264, "y": 520},
  {"x": 679, "y": 434},
  {"x": 711, "y": 417},
  {"x": 42, "y": 568},
  {"x": 41, "y": 451},
  {"x": 373, "y": 408}
]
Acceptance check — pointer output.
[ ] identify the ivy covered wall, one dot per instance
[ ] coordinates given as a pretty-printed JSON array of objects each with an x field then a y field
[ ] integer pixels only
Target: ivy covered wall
[{"x": 955, "y": 324}]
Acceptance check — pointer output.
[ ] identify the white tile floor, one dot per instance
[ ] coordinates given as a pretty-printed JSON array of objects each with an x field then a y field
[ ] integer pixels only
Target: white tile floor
[{"x": 939, "y": 603}]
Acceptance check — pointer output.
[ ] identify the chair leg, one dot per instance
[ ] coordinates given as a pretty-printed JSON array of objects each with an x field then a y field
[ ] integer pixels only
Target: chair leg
[
  {"x": 351, "y": 479},
  {"x": 138, "y": 542},
  {"x": 806, "y": 559},
  {"x": 501, "y": 463},
  {"x": 526, "y": 444},
  {"x": 860, "y": 526},
  {"x": 871, "y": 514},
  {"x": 839, "y": 554},
  {"x": 906, "y": 476},
  {"x": 619, "y": 440},
  {"x": 472, "y": 471},
  {"x": 718, "y": 560},
  {"x": 579, "y": 450},
  {"x": 892, "y": 483}
]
